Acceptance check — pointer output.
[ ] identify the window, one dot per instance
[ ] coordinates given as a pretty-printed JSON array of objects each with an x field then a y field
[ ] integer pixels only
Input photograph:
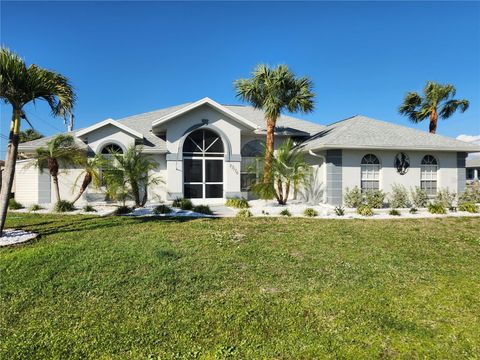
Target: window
[
  {"x": 111, "y": 149},
  {"x": 428, "y": 175},
  {"x": 203, "y": 165},
  {"x": 251, "y": 152},
  {"x": 370, "y": 173}
]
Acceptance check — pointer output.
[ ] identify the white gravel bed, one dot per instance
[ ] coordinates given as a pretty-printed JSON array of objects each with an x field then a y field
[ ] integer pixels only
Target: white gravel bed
[
  {"x": 148, "y": 211},
  {"x": 100, "y": 211},
  {"x": 13, "y": 237}
]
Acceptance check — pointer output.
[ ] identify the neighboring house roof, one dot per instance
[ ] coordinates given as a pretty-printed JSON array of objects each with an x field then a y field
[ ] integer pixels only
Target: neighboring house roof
[
  {"x": 361, "y": 132},
  {"x": 107, "y": 122},
  {"x": 35, "y": 144},
  {"x": 473, "y": 162}
]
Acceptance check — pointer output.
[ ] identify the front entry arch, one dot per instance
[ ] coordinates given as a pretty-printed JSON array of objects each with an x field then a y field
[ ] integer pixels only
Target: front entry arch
[{"x": 203, "y": 158}]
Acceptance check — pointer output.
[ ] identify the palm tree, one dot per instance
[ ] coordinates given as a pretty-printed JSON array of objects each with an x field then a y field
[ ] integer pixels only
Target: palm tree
[
  {"x": 437, "y": 102},
  {"x": 29, "y": 135},
  {"x": 61, "y": 151},
  {"x": 274, "y": 90},
  {"x": 91, "y": 173},
  {"x": 20, "y": 85}
]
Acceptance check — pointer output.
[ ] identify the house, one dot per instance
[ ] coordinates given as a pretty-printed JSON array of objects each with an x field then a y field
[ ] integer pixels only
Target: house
[
  {"x": 203, "y": 150},
  {"x": 473, "y": 169}
]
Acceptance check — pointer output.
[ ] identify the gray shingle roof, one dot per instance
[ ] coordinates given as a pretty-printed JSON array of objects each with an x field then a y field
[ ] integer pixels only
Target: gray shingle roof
[
  {"x": 363, "y": 132},
  {"x": 473, "y": 161}
]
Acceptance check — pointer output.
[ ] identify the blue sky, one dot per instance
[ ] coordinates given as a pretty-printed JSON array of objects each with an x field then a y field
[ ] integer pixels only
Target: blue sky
[{"x": 126, "y": 58}]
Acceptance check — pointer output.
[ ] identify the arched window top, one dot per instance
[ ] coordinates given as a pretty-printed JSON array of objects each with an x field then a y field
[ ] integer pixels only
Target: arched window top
[
  {"x": 253, "y": 148},
  {"x": 111, "y": 149},
  {"x": 429, "y": 160},
  {"x": 370, "y": 159},
  {"x": 203, "y": 142}
]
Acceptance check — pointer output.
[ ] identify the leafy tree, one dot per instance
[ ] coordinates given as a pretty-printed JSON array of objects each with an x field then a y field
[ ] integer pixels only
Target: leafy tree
[
  {"x": 129, "y": 174},
  {"x": 61, "y": 151},
  {"x": 437, "y": 101},
  {"x": 29, "y": 135},
  {"x": 91, "y": 173},
  {"x": 19, "y": 85},
  {"x": 274, "y": 90}
]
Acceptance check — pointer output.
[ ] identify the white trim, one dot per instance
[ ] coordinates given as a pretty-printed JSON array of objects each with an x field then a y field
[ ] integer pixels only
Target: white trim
[
  {"x": 205, "y": 101},
  {"x": 109, "y": 122}
]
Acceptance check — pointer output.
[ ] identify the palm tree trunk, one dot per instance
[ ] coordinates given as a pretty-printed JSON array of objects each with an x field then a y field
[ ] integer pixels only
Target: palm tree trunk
[
  {"x": 267, "y": 165},
  {"x": 145, "y": 197},
  {"x": 136, "y": 194},
  {"x": 53, "y": 168},
  {"x": 56, "y": 188},
  {"x": 287, "y": 190},
  {"x": 433, "y": 121},
  {"x": 280, "y": 192},
  {"x": 86, "y": 181},
  {"x": 9, "y": 171}
]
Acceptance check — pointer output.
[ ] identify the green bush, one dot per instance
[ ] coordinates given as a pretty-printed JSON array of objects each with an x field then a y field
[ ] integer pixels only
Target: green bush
[
  {"x": 365, "y": 210},
  {"x": 285, "y": 212},
  {"x": 89, "y": 208},
  {"x": 399, "y": 197},
  {"x": 413, "y": 210},
  {"x": 394, "y": 212},
  {"x": 375, "y": 198},
  {"x": 238, "y": 203},
  {"x": 162, "y": 209},
  {"x": 244, "y": 213},
  {"x": 419, "y": 197},
  {"x": 469, "y": 207},
  {"x": 64, "y": 206},
  {"x": 310, "y": 212},
  {"x": 436, "y": 208},
  {"x": 203, "y": 209},
  {"x": 184, "y": 204},
  {"x": 35, "y": 207},
  {"x": 470, "y": 195},
  {"x": 339, "y": 211},
  {"x": 122, "y": 210},
  {"x": 14, "y": 204},
  {"x": 353, "y": 197},
  {"x": 446, "y": 198}
]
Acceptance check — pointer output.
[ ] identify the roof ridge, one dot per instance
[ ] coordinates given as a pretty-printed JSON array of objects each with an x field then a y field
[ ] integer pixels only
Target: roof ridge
[
  {"x": 153, "y": 111},
  {"x": 342, "y": 129}
]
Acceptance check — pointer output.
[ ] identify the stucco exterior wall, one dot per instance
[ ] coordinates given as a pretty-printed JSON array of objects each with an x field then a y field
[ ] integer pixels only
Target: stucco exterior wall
[{"x": 108, "y": 134}]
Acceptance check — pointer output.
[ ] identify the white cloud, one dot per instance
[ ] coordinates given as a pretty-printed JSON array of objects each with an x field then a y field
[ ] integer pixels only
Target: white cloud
[{"x": 469, "y": 138}]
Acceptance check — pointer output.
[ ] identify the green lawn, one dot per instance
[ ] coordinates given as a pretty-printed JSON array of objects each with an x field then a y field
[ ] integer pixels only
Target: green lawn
[{"x": 241, "y": 288}]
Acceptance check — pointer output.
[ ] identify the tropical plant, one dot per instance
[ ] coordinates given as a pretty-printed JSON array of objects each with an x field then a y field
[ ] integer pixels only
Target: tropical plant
[
  {"x": 394, "y": 212},
  {"x": 274, "y": 90},
  {"x": 365, "y": 210},
  {"x": 64, "y": 206},
  {"x": 89, "y": 208},
  {"x": 123, "y": 210},
  {"x": 184, "y": 204},
  {"x": 437, "y": 101},
  {"x": 130, "y": 173},
  {"x": 91, "y": 174},
  {"x": 353, "y": 197},
  {"x": 19, "y": 85},
  {"x": 419, "y": 197},
  {"x": 436, "y": 208},
  {"x": 14, "y": 204},
  {"x": 339, "y": 211},
  {"x": 61, "y": 151},
  {"x": 238, "y": 203},
  {"x": 413, "y": 210},
  {"x": 470, "y": 194},
  {"x": 310, "y": 212},
  {"x": 29, "y": 135},
  {"x": 203, "y": 209},
  {"x": 312, "y": 190},
  {"x": 285, "y": 212},
  {"x": 288, "y": 170},
  {"x": 469, "y": 207},
  {"x": 399, "y": 197},
  {"x": 35, "y": 207},
  {"x": 162, "y": 210},
  {"x": 244, "y": 213},
  {"x": 375, "y": 198},
  {"x": 446, "y": 198}
]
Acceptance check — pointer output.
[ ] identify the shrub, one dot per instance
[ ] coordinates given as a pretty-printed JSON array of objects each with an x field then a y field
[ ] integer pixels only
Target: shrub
[
  {"x": 14, "y": 204},
  {"x": 285, "y": 212},
  {"x": 265, "y": 212},
  {"x": 162, "y": 209},
  {"x": 469, "y": 207},
  {"x": 446, "y": 198},
  {"x": 419, "y": 197},
  {"x": 365, "y": 210},
  {"x": 394, "y": 212},
  {"x": 122, "y": 210},
  {"x": 413, "y": 210},
  {"x": 64, "y": 206},
  {"x": 35, "y": 207},
  {"x": 399, "y": 197},
  {"x": 353, "y": 197},
  {"x": 89, "y": 208},
  {"x": 436, "y": 208},
  {"x": 203, "y": 209},
  {"x": 470, "y": 195},
  {"x": 310, "y": 212},
  {"x": 340, "y": 211},
  {"x": 238, "y": 203},
  {"x": 184, "y": 204},
  {"x": 244, "y": 213},
  {"x": 375, "y": 198}
]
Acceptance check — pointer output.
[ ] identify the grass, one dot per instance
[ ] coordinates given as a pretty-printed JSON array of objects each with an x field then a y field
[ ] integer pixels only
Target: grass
[{"x": 255, "y": 288}]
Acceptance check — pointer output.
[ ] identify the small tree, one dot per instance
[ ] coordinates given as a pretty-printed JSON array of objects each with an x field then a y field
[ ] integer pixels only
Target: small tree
[
  {"x": 29, "y": 135},
  {"x": 91, "y": 174}
]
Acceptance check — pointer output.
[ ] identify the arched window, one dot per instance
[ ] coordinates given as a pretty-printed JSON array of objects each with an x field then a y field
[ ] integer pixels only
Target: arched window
[
  {"x": 370, "y": 173},
  {"x": 203, "y": 165},
  {"x": 111, "y": 149},
  {"x": 428, "y": 175},
  {"x": 251, "y": 152}
]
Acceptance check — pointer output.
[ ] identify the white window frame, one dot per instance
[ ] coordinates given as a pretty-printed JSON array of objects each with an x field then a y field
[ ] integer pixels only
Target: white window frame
[
  {"x": 429, "y": 174},
  {"x": 370, "y": 172}
]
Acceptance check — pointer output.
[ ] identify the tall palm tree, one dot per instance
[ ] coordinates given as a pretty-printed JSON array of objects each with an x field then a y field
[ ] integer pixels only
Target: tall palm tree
[
  {"x": 274, "y": 90},
  {"x": 29, "y": 135},
  {"x": 19, "y": 85},
  {"x": 61, "y": 151},
  {"x": 91, "y": 174},
  {"x": 437, "y": 102}
]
